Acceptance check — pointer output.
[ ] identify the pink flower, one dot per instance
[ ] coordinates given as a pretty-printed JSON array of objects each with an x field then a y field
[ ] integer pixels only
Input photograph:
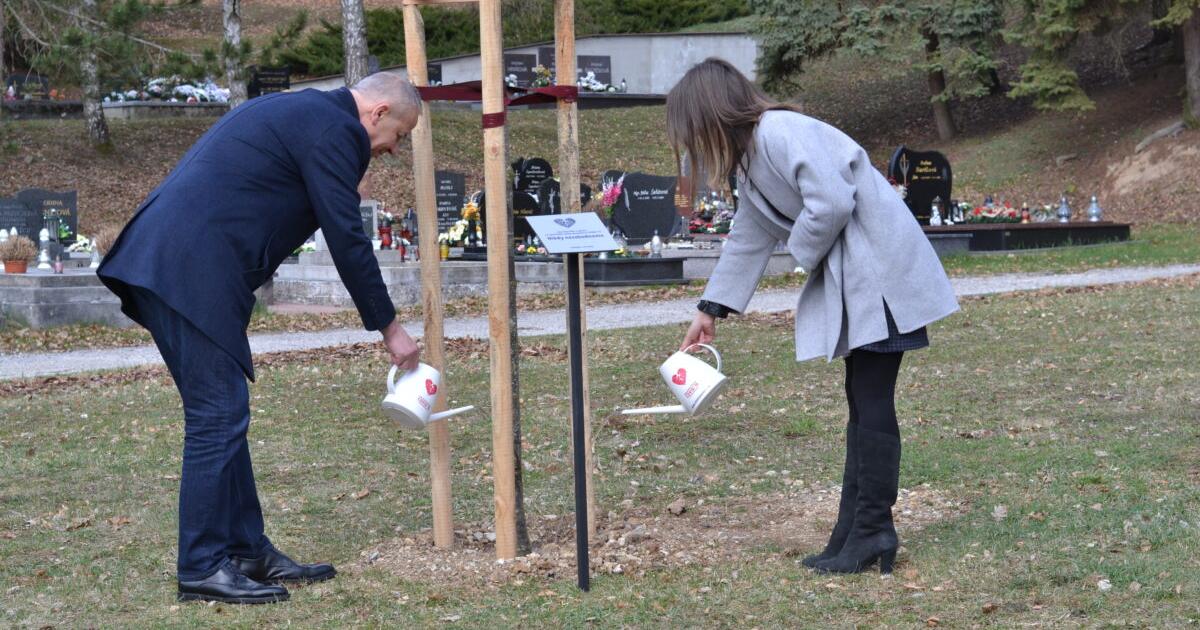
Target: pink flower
[{"x": 612, "y": 192}]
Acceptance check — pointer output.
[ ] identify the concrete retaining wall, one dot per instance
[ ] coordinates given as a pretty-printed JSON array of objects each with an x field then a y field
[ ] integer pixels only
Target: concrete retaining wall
[
  {"x": 650, "y": 63},
  {"x": 39, "y": 299}
]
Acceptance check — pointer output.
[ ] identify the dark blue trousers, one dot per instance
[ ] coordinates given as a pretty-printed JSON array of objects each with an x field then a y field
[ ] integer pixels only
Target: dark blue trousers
[{"x": 219, "y": 514}]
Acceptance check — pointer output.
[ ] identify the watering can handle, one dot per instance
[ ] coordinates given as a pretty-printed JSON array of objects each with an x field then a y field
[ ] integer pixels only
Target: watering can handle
[
  {"x": 710, "y": 349},
  {"x": 391, "y": 380}
]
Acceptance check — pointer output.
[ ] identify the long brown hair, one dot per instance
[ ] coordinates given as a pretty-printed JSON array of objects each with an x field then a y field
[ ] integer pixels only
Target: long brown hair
[{"x": 711, "y": 115}]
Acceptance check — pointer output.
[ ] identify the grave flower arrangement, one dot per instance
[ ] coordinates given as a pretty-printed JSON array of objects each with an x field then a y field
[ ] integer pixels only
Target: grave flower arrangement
[
  {"x": 173, "y": 89},
  {"x": 1043, "y": 214},
  {"x": 994, "y": 214},
  {"x": 82, "y": 245},
  {"x": 454, "y": 236},
  {"x": 541, "y": 77},
  {"x": 589, "y": 83},
  {"x": 610, "y": 192}
]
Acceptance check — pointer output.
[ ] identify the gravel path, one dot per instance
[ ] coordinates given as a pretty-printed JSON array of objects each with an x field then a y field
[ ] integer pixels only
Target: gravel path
[{"x": 554, "y": 322}]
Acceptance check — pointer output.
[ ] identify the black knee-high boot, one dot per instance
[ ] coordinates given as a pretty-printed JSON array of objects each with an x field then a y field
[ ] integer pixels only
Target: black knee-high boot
[
  {"x": 872, "y": 537},
  {"x": 845, "y": 518}
]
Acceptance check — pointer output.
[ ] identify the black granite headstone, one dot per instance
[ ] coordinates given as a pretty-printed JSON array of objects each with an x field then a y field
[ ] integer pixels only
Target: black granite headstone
[
  {"x": 265, "y": 80},
  {"x": 646, "y": 205},
  {"x": 550, "y": 197},
  {"x": 14, "y": 213},
  {"x": 530, "y": 173},
  {"x": 521, "y": 66},
  {"x": 435, "y": 73},
  {"x": 56, "y": 209},
  {"x": 926, "y": 175},
  {"x": 367, "y": 214},
  {"x": 450, "y": 188},
  {"x": 599, "y": 65},
  {"x": 545, "y": 56},
  {"x": 36, "y": 86},
  {"x": 524, "y": 205}
]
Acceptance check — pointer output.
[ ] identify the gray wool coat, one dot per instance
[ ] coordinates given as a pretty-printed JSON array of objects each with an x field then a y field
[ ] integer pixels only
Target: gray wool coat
[{"x": 810, "y": 186}]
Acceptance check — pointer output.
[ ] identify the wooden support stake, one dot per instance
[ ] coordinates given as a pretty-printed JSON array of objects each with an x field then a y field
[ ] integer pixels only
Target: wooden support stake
[
  {"x": 498, "y": 251},
  {"x": 568, "y": 167},
  {"x": 431, "y": 278}
]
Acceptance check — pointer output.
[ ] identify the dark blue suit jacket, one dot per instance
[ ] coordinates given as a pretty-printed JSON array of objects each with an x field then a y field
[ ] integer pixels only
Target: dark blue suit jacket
[{"x": 251, "y": 191}]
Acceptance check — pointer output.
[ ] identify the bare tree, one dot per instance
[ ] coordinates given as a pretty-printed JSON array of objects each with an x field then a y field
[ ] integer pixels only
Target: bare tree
[
  {"x": 1191, "y": 65},
  {"x": 89, "y": 70},
  {"x": 354, "y": 41},
  {"x": 936, "y": 79},
  {"x": 231, "y": 52},
  {"x": 3, "y": 66}
]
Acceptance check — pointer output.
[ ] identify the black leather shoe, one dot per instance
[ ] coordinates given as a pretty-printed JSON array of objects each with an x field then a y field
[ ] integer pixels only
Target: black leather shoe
[
  {"x": 231, "y": 587},
  {"x": 273, "y": 567}
]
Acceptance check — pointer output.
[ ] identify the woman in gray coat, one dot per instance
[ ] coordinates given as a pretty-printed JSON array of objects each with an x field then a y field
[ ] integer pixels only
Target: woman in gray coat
[{"x": 874, "y": 279}]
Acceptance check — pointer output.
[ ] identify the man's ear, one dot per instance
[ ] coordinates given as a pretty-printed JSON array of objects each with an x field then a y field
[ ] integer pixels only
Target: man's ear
[{"x": 380, "y": 112}]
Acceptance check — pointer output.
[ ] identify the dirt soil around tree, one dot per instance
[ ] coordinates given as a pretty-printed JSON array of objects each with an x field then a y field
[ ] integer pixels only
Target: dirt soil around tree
[{"x": 686, "y": 532}]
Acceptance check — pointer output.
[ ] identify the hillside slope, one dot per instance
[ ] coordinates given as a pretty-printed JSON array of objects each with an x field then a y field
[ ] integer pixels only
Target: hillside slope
[{"x": 1014, "y": 157}]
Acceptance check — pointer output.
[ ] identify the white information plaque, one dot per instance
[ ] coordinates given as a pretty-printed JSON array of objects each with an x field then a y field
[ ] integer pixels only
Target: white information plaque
[{"x": 578, "y": 233}]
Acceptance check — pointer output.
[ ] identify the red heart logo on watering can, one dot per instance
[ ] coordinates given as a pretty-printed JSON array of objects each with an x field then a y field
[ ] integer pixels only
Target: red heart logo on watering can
[
  {"x": 430, "y": 387},
  {"x": 680, "y": 377}
]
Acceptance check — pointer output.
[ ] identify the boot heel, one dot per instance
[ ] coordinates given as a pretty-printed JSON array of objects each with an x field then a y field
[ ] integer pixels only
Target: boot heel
[{"x": 887, "y": 560}]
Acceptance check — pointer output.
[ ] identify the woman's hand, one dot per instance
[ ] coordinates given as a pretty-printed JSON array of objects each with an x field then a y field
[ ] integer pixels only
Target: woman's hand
[{"x": 702, "y": 330}]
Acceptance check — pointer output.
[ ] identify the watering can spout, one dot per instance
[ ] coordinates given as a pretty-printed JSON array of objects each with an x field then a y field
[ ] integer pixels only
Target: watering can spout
[
  {"x": 663, "y": 409},
  {"x": 442, "y": 415}
]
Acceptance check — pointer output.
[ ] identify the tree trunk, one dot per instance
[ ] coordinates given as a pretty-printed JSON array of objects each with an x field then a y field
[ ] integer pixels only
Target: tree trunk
[
  {"x": 354, "y": 41},
  {"x": 523, "y": 543},
  {"x": 89, "y": 65},
  {"x": 937, "y": 86},
  {"x": 1191, "y": 66},
  {"x": 234, "y": 73},
  {"x": 3, "y": 66}
]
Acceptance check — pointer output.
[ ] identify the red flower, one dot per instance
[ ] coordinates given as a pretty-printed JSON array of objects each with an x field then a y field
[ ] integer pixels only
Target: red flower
[{"x": 978, "y": 211}]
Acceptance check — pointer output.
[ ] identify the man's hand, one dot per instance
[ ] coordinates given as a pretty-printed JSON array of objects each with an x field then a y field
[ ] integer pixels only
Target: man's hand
[
  {"x": 702, "y": 330},
  {"x": 403, "y": 349}
]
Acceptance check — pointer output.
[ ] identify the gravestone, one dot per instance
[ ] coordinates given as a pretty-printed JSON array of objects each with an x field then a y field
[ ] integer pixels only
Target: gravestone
[
  {"x": 926, "y": 175},
  {"x": 435, "y": 73},
  {"x": 545, "y": 55},
  {"x": 264, "y": 80},
  {"x": 368, "y": 213},
  {"x": 646, "y": 205},
  {"x": 524, "y": 205},
  {"x": 372, "y": 64},
  {"x": 36, "y": 86},
  {"x": 550, "y": 197},
  {"x": 600, "y": 65},
  {"x": 530, "y": 173},
  {"x": 450, "y": 189},
  {"x": 48, "y": 204},
  {"x": 521, "y": 66},
  {"x": 14, "y": 213},
  {"x": 684, "y": 196}
]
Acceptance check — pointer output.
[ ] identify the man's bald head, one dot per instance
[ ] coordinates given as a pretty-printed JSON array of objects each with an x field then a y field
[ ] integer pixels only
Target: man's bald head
[{"x": 388, "y": 107}]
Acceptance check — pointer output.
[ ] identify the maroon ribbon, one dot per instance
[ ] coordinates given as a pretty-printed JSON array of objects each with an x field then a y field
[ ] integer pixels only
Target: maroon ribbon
[{"x": 472, "y": 91}]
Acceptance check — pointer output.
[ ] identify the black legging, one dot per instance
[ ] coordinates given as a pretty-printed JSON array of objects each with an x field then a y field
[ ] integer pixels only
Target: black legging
[{"x": 871, "y": 389}]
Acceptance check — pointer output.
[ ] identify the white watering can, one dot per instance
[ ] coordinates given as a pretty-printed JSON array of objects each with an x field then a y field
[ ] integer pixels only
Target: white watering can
[
  {"x": 410, "y": 400},
  {"x": 695, "y": 383}
]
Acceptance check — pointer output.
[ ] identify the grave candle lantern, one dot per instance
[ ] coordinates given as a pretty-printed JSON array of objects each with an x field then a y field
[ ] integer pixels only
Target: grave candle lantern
[{"x": 1064, "y": 210}]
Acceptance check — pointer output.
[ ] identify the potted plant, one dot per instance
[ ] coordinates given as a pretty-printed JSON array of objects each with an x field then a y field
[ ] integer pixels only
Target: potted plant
[{"x": 16, "y": 252}]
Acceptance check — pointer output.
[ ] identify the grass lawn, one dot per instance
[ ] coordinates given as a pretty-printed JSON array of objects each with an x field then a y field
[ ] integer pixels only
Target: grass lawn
[{"x": 1062, "y": 427}]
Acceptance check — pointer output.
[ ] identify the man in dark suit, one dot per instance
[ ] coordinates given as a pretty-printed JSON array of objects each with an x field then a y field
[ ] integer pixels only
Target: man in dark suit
[{"x": 251, "y": 191}]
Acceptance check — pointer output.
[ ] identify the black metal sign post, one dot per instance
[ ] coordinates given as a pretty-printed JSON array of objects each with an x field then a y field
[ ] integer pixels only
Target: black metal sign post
[
  {"x": 573, "y": 236},
  {"x": 575, "y": 349}
]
